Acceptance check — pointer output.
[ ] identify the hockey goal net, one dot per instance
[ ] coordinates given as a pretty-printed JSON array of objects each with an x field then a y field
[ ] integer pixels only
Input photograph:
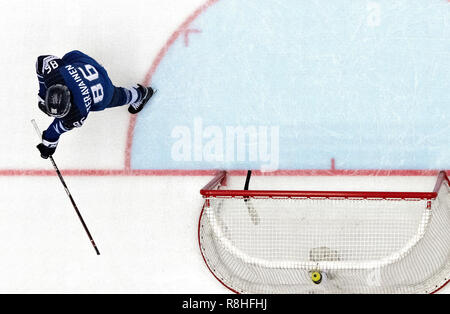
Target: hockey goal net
[{"x": 256, "y": 241}]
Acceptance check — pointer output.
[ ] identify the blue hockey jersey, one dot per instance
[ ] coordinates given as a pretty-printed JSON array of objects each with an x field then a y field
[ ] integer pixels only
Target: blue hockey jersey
[{"x": 88, "y": 82}]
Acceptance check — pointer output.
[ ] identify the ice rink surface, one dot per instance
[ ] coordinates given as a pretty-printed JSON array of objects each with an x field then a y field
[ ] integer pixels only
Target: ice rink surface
[{"x": 145, "y": 224}]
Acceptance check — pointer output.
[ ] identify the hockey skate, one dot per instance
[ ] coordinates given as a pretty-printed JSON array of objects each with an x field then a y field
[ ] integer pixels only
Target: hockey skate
[{"x": 147, "y": 93}]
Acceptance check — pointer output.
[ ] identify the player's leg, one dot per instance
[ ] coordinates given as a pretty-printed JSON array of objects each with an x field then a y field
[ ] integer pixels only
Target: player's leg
[{"x": 121, "y": 97}]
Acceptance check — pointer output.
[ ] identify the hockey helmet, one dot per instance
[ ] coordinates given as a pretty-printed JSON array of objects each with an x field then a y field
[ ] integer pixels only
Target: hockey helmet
[{"x": 57, "y": 101}]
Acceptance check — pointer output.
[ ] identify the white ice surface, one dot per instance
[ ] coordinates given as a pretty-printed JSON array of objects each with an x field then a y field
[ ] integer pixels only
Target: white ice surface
[{"x": 145, "y": 229}]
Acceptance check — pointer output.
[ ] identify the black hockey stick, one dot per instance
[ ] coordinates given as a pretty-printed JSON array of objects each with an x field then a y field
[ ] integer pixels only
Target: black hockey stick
[
  {"x": 247, "y": 180},
  {"x": 248, "y": 202},
  {"x": 67, "y": 191}
]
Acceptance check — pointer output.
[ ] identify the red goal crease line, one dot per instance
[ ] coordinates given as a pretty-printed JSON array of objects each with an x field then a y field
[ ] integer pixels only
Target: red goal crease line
[
  {"x": 183, "y": 29},
  {"x": 180, "y": 172}
]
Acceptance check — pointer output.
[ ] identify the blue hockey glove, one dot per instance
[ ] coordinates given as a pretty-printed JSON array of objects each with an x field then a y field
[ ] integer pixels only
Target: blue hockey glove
[{"x": 47, "y": 148}]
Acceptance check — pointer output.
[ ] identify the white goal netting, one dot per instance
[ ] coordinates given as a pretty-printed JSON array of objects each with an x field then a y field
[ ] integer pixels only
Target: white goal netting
[{"x": 364, "y": 245}]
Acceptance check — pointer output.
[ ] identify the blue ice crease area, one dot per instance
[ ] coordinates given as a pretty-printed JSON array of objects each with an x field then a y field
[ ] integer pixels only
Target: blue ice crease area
[{"x": 363, "y": 82}]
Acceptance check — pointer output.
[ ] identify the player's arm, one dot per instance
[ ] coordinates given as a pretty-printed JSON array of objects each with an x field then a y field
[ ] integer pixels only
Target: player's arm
[
  {"x": 50, "y": 137},
  {"x": 59, "y": 126}
]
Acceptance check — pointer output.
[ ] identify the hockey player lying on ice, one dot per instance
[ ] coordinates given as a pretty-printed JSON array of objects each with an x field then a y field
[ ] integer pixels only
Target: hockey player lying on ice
[{"x": 71, "y": 87}]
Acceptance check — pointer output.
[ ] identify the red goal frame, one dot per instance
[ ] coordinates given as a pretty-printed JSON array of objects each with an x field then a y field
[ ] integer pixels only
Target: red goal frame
[{"x": 212, "y": 190}]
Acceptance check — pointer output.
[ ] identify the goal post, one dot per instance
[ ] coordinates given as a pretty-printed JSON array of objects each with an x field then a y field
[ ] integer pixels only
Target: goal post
[{"x": 281, "y": 241}]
